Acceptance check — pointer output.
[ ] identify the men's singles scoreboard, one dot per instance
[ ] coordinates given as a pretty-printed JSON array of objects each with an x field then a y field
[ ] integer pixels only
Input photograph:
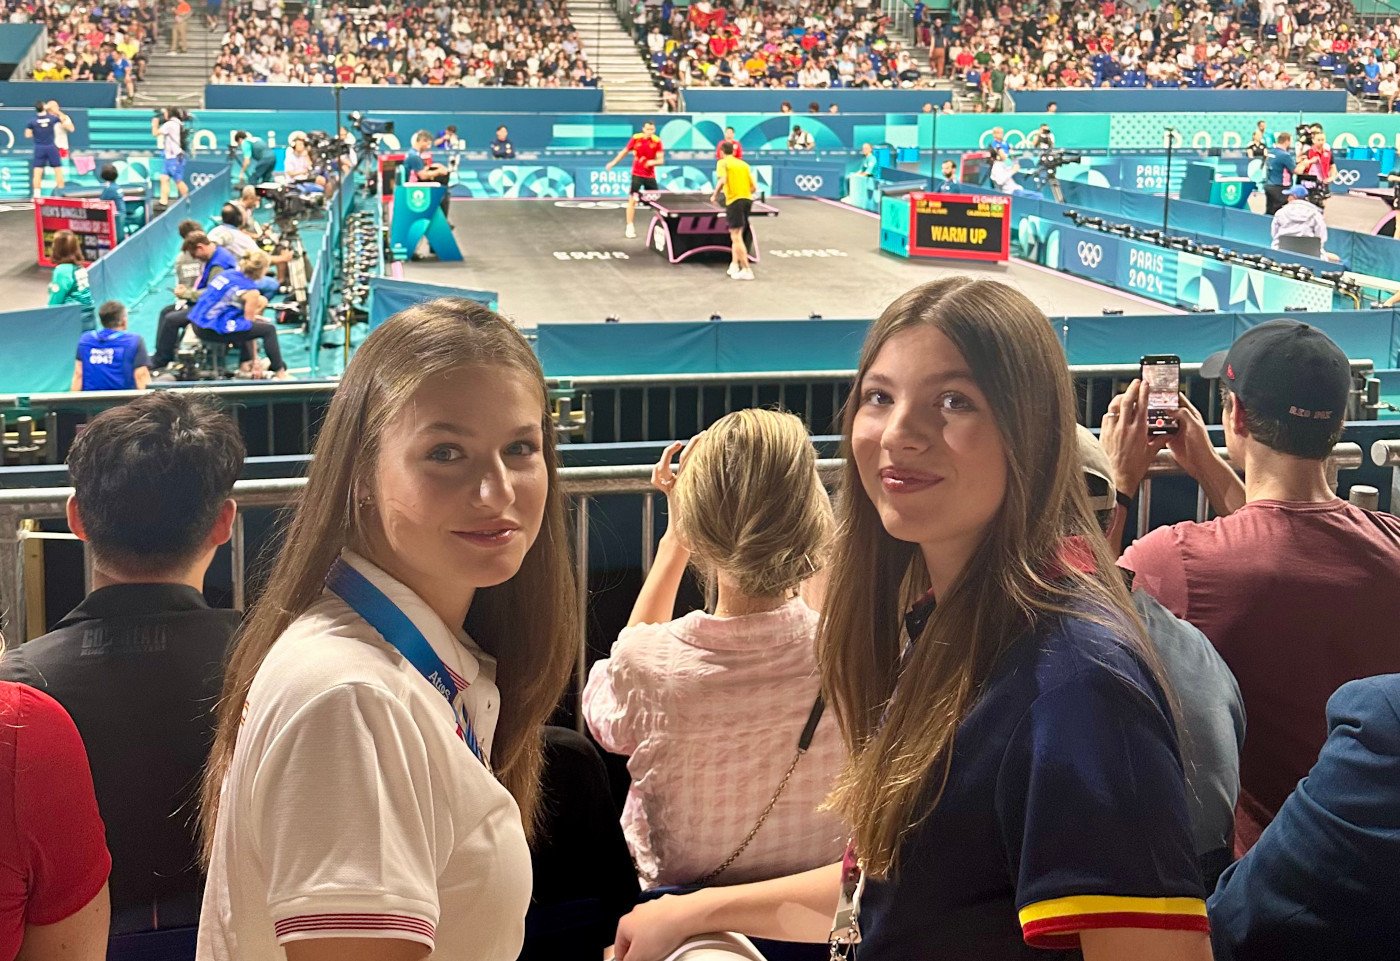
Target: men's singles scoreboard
[{"x": 953, "y": 226}]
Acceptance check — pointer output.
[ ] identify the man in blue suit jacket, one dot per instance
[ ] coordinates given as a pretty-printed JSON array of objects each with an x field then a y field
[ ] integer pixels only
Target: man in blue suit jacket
[{"x": 1324, "y": 880}]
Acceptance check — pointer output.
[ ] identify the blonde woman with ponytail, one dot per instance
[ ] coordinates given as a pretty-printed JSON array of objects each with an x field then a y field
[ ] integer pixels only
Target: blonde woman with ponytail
[
  {"x": 1015, "y": 788},
  {"x": 375, "y": 770},
  {"x": 712, "y": 707}
]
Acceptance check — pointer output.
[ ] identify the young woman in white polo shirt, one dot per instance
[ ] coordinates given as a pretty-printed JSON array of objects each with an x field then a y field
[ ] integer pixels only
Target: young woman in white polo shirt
[{"x": 375, "y": 771}]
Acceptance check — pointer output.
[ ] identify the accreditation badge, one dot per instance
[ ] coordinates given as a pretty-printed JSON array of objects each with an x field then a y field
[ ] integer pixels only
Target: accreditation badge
[{"x": 845, "y": 926}]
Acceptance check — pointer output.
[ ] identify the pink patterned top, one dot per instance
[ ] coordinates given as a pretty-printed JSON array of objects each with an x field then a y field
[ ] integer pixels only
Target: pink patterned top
[{"x": 709, "y": 710}]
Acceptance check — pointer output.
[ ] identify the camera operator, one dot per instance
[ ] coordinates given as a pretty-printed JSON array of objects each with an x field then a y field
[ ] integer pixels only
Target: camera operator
[
  {"x": 257, "y": 161},
  {"x": 999, "y": 143},
  {"x": 168, "y": 127},
  {"x": 231, "y": 235},
  {"x": 212, "y": 260},
  {"x": 1042, "y": 138},
  {"x": 419, "y": 167},
  {"x": 229, "y": 308},
  {"x": 1003, "y": 174},
  {"x": 1279, "y": 167},
  {"x": 298, "y": 165}
]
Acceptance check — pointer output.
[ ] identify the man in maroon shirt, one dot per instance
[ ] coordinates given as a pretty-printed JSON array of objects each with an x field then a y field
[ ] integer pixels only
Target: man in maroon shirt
[{"x": 1297, "y": 589}]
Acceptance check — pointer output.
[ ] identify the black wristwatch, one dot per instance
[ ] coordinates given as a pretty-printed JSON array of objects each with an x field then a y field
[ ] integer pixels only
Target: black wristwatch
[{"x": 1124, "y": 499}]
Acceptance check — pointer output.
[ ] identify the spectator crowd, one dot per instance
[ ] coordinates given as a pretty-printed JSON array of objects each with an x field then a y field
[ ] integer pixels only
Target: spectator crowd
[
  {"x": 433, "y": 44},
  {"x": 996, "y": 46},
  {"x": 109, "y": 40}
]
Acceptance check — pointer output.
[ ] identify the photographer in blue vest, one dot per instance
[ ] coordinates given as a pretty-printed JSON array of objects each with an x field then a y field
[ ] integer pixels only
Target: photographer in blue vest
[
  {"x": 111, "y": 358},
  {"x": 196, "y": 246},
  {"x": 229, "y": 310}
]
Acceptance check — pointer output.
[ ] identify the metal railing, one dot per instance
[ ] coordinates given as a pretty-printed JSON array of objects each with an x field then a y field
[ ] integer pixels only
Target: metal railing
[
  {"x": 282, "y": 418},
  {"x": 19, "y": 509},
  {"x": 1386, "y": 453}
]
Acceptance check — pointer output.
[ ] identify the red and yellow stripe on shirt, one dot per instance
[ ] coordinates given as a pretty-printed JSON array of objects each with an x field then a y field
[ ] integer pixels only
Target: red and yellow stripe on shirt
[{"x": 1057, "y": 923}]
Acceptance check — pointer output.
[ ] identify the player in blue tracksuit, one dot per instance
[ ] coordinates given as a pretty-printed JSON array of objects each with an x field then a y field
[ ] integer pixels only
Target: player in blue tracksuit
[
  {"x": 48, "y": 118},
  {"x": 228, "y": 309}
]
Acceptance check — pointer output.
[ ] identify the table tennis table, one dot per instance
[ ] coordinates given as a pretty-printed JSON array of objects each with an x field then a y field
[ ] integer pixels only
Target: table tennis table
[{"x": 686, "y": 224}]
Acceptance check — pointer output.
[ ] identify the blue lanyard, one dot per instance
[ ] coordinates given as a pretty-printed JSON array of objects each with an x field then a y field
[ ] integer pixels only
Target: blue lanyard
[{"x": 398, "y": 629}]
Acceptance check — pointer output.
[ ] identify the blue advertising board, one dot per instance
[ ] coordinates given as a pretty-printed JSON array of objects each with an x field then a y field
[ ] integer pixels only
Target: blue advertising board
[
  {"x": 1161, "y": 274},
  {"x": 1356, "y": 173}
]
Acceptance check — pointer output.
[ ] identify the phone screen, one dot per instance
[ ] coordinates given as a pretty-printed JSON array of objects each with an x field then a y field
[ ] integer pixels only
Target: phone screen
[{"x": 1162, "y": 375}]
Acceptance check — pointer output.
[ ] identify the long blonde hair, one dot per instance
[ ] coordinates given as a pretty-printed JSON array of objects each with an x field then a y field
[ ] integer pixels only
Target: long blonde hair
[
  {"x": 750, "y": 504},
  {"x": 528, "y": 623},
  {"x": 1012, "y": 579}
]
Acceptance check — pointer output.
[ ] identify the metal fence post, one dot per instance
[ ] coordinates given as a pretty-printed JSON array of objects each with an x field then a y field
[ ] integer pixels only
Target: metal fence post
[{"x": 581, "y": 574}]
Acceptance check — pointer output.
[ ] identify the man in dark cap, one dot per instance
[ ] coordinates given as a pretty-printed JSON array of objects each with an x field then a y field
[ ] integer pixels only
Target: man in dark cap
[{"x": 1294, "y": 586}]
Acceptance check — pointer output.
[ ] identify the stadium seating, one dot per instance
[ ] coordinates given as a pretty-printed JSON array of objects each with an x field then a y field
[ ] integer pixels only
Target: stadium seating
[{"x": 510, "y": 44}]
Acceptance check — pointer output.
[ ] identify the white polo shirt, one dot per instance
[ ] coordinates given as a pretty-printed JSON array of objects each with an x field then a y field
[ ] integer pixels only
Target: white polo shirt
[{"x": 353, "y": 808}]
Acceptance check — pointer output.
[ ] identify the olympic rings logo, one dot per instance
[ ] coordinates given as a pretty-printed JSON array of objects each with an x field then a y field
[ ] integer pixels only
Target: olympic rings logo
[
  {"x": 1090, "y": 255},
  {"x": 1348, "y": 178},
  {"x": 199, "y": 180},
  {"x": 1016, "y": 138},
  {"x": 808, "y": 182}
]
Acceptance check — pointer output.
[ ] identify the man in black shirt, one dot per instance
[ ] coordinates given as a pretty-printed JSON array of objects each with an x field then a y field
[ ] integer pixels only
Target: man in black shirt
[{"x": 139, "y": 663}]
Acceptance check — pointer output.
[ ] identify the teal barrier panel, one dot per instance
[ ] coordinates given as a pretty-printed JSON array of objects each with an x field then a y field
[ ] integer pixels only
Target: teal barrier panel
[
  {"x": 16, "y": 39},
  {"x": 144, "y": 258},
  {"x": 1122, "y": 340},
  {"x": 755, "y": 100},
  {"x": 768, "y": 344},
  {"x": 325, "y": 268},
  {"x": 69, "y": 93},
  {"x": 388, "y": 296},
  {"x": 587, "y": 350},
  {"x": 212, "y": 130},
  {"x": 129, "y": 130},
  {"x": 498, "y": 100},
  {"x": 1157, "y": 99},
  {"x": 1360, "y": 334},
  {"x": 595, "y": 350},
  {"x": 38, "y": 347}
]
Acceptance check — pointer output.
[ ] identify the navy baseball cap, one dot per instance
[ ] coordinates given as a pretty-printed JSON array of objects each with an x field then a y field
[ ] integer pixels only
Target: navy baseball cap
[{"x": 1286, "y": 369}]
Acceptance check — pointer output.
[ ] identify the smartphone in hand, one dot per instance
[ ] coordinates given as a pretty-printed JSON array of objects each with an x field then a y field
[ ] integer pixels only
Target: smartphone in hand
[{"x": 1162, "y": 375}]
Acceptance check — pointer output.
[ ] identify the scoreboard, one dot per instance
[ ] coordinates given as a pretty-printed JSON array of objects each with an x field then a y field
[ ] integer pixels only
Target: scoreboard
[
  {"x": 91, "y": 219},
  {"x": 959, "y": 226}
]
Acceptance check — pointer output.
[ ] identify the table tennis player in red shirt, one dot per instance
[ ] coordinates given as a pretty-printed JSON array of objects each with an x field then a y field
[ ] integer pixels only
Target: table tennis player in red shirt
[{"x": 647, "y": 154}]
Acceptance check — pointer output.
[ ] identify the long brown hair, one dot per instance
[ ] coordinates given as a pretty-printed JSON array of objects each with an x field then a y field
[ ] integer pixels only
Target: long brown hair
[
  {"x": 1007, "y": 584},
  {"x": 527, "y": 623},
  {"x": 66, "y": 248}
]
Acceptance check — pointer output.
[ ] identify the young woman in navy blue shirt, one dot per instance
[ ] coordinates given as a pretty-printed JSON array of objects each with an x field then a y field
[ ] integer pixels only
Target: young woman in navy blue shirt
[{"x": 1015, "y": 789}]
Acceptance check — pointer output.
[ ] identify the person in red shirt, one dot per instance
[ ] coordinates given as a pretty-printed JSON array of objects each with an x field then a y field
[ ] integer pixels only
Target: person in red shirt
[
  {"x": 647, "y": 154},
  {"x": 1317, "y": 161},
  {"x": 53, "y": 853},
  {"x": 729, "y": 138}
]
